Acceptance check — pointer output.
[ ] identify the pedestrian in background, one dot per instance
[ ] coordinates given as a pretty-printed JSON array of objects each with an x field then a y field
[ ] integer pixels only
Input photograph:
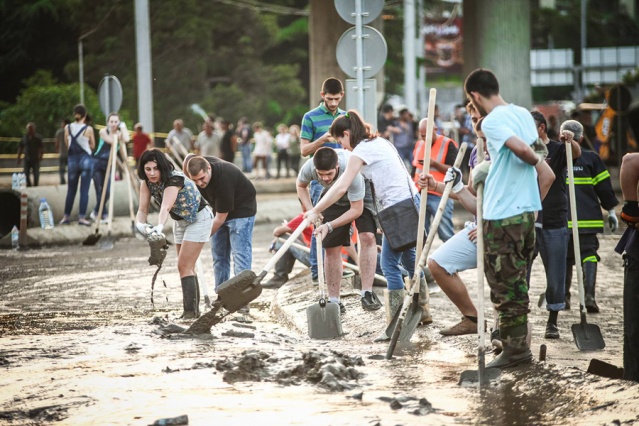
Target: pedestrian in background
[
  {"x": 294, "y": 149},
  {"x": 228, "y": 144},
  {"x": 183, "y": 134},
  {"x": 33, "y": 149},
  {"x": 244, "y": 136},
  {"x": 141, "y": 142},
  {"x": 61, "y": 149},
  {"x": 208, "y": 140},
  {"x": 80, "y": 141},
  {"x": 282, "y": 144},
  {"x": 263, "y": 148}
]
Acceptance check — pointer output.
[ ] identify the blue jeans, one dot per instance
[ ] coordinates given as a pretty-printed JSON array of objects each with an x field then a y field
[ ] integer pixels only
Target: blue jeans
[
  {"x": 445, "y": 230},
  {"x": 247, "y": 163},
  {"x": 80, "y": 171},
  {"x": 394, "y": 261},
  {"x": 406, "y": 154},
  {"x": 315, "y": 192},
  {"x": 553, "y": 248},
  {"x": 284, "y": 266},
  {"x": 99, "y": 176},
  {"x": 233, "y": 239}
]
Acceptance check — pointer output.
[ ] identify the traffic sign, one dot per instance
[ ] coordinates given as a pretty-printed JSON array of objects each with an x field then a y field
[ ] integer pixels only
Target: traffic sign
[
  {"x": 110, "y": 94},
  {"x": 370, "y": 10},
  {"x": 374, "y": 51}
]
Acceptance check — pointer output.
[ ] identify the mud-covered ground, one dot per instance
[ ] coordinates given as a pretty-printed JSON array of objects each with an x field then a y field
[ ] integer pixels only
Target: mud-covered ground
[{"x": 80, "y": 344}]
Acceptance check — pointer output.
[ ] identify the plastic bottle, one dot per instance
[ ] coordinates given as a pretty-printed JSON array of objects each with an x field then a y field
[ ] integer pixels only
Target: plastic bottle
[
  {"x": 15, "y": 236},
  {"x": 15, "y": 181},
  {"x": 46, "y": 215},
  {"x": 23, "y": 181}
]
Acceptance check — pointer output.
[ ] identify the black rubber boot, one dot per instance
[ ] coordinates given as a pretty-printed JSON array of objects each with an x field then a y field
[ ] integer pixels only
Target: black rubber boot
[
  {"x": 189, "y": 295},
  {"x": 197, "y": 297},
  {"x": 516, "y": 350},
  {"x": 590, "y": 278},
  {"x": 568, "y": 283}
]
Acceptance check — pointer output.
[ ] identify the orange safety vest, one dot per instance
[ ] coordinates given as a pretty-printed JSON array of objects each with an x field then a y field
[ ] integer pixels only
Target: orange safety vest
[{"x": 438, "y": 152}]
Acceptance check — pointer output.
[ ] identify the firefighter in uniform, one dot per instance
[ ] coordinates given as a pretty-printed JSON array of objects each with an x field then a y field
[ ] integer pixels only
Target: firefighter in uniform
[{"x": 593, "y": 191}]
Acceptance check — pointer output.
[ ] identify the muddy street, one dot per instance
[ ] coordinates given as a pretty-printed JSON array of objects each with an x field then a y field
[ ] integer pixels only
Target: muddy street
[{"x": 80, "y": 343}]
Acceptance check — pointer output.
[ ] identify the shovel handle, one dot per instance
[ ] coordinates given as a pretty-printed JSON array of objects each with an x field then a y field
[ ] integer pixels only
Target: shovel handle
[
  {"x": 575, "y": 228},
  {"x": 286, "y": 245}
]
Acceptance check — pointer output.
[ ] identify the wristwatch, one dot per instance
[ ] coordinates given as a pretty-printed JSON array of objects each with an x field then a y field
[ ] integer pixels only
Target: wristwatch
[{"x": 330, "y": 227}]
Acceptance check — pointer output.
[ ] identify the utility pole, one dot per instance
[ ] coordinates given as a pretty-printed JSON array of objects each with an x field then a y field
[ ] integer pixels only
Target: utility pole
[
  {"x": 410, "y": 92},
  {"x": 144, "y": 71}
]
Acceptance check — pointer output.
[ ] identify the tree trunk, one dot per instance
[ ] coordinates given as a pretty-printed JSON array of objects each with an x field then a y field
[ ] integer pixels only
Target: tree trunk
[{"x": 497, "y": 37}]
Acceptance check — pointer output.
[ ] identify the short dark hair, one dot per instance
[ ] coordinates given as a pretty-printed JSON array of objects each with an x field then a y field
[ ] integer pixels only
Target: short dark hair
[
  {"x": 325, "y": 159},
  {"x": 80, "y": 110},
  {"x": 332, "y": 86},
  {"x": 482, "y": 81},
  {"x": 353, "y": 123},
  {"x": 196, "y": 164},
  {"x": 387, "y": 108},
  {"x": 539, "y": 118},
  {"x": 164, "y": 165}
]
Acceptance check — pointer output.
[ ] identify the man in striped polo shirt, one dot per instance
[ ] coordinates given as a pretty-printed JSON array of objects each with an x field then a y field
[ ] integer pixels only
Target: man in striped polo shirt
[{"x": 315, "y": 134}]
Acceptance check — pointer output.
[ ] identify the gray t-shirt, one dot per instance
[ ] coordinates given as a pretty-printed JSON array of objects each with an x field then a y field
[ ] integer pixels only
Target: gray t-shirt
[{"x": 358, "y": 189}]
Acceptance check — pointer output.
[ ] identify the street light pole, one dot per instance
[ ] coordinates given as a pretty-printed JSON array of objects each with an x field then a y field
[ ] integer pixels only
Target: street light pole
[{"x": 81, "y": 68}]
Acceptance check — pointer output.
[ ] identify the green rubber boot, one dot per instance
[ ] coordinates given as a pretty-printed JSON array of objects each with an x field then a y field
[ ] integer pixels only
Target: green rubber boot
[
  {"x": 393, "y": 300},
  {"x": 516, "y": 350}
]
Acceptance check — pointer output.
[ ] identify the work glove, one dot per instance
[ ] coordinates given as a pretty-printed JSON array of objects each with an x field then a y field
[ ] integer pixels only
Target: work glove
[
  {"x": 142, "y": 227},
  {"x": 454, "y": 175},
  {"x": 541, "y": 150},
  {"x": 480, "y": 172},
  {"x": 613, "y": 222},
  {"x": 156, "y": 229},
  {"x": 159, "y": 248}
]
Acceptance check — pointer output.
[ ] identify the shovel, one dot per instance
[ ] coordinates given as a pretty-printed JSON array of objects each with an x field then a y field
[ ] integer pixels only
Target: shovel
[
  {"x": 414, "y": 313},
  {"x": 127, "y": 174},
  {"x": 324, "y": 319},
  {"x": 241, "y": 289},
  {"x": 92, "y": 239},
  {"x": 106, "y": 243},
  {"x": 482, "y": 375},
  {"x": 587, "y": 336}
]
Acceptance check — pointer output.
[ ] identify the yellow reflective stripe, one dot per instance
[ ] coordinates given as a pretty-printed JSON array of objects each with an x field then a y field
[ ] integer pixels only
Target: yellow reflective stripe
[
  {"x": 601, "y": 176},
  {"x": 592, "y": 259},
  {"x": 588, "y": 224}
]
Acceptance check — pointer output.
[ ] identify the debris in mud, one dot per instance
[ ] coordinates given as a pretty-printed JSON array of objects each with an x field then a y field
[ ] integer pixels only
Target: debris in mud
[
  {"x": 416, "y": 406},
  {"x": 334, "y": 371},
  {"x": 242, "y": 334},
  {"x": 172, "y": 421},
  {"x": 42, "y": 415},
  {"x": 132, "y": 348},
  {"x": 170, "y": 370}
]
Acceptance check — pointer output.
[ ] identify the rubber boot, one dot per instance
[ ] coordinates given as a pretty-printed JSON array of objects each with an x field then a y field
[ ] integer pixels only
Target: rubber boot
[
  {"x": 516, "y": 350},
  {"x": 590, "y": 278},
  {"x": 189, "y": 294},
  {"x": 433, "y": 287},
  {"x": 424, "y": 302},
  {"x": 568, "y": 283},
  {"x": 393, "y": 300},
  {"x": 197, "y": 297}
]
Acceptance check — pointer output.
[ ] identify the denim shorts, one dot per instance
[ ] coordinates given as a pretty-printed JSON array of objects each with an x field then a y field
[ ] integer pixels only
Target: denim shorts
[
  {"x": 458, "y": 253},
  {"x": 198, "y": 231}
]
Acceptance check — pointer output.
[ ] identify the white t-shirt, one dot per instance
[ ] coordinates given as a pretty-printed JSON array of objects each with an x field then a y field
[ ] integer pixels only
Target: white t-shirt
[
  {"x": 511, "y": 186},
  {"x": 263, "y": 143},
  {"x": 282, "y": 141},
  {"x": 384, "y": 168}
]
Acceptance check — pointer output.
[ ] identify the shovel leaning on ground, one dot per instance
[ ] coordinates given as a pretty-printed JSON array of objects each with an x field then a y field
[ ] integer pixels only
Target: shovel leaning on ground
[
  {"x": 324, "y": 319},
  {"x": 127, "y": 173},
  {"x": 107, "y": 242},
  {"x": 240, "y": 290},
  {"x": 587, "y": 336},
  {"x": 92, "y": 239}
]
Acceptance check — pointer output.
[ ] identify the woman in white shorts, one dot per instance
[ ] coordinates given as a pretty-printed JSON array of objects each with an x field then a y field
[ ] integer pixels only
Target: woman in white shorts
[{"x": 192, "y": 218}]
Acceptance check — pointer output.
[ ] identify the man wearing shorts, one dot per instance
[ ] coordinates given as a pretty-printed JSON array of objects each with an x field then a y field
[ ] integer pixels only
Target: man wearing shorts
[{"x": 356, "y": 205}]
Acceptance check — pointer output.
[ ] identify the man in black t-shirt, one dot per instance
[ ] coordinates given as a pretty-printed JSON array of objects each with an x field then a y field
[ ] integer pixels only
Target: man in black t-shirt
[
  {"x": 551, "y": 239},
  {"x": 232, "y": 198},
  {"x": 33, "y": 149}
]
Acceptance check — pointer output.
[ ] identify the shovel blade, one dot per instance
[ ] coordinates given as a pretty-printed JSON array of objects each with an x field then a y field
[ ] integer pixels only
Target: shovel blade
[
  {"x": 469, "y": 377},
  {"x": 107, "y": 242},
  {"x": 239, "y": 291},
  {"x": 411, "y": 321},
  {"x": 604, "y": 369},
  {"x": 324, "y": 322},
  {"x": 588, "y": 337},
  {"x": 92, "y": 239}
]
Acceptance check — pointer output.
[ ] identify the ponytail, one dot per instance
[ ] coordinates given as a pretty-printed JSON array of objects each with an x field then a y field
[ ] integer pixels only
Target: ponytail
[{"x": 352, "y": 122}]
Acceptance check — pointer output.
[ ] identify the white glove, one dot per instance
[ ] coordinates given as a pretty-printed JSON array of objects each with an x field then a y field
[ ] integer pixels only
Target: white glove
[
  {"x": 453, "y": 174},
  {"x": 142, "y": 227},
  {"x": 613, "y": 222},
  {"x": 156, "y": 229}
]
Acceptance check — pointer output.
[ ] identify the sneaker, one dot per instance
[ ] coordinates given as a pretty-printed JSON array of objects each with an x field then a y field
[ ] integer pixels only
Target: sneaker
[
  {"x": 495, "y": 341},
  {"x": 465, "y": 326},
  {"x": 92, "y": 215},
  {"x": 275, "y": 282},
  {"x": 65, "y": 221},
  {"x": 82, "y": 221},
  {"x": 370, "y": 302},
  {"x": 342, "y": 308},
  {"x": 630, "y": 213},
  {"x": 315, "y": 281},
  {"x": 552, "y": 332}
]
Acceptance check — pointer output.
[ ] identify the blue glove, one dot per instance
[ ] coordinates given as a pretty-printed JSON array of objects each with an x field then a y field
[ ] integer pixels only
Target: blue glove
[
  {"x": 454, "y": 175},
  {"x": 613, "y": 222}
]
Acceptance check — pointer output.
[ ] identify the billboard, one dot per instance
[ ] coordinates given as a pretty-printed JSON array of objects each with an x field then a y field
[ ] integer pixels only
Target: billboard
[{"x": 443, "y": 39}]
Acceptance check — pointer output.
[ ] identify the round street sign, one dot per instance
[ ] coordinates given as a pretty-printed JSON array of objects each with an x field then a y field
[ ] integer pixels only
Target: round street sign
[
  {"x": 375, "y": 51},
  {"x": 110, "y": 94},
  {"x": 346, "y": 9}
]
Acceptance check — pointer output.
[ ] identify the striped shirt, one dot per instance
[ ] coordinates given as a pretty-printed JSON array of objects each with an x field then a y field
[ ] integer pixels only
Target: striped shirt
[{"x": 317, "y": 122}]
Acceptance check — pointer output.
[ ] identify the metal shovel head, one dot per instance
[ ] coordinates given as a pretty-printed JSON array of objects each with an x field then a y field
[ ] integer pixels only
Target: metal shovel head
[
  {"x": 107, "y": 242},
  {"x": 468, "y": 377},
  {"x": 239, "y": 291},
  {"x": 411, "y": 321},
  {"x": 92, "y": 239},
  {"x": 587, "y": 337},
  {"x": 324, "y": 322}
]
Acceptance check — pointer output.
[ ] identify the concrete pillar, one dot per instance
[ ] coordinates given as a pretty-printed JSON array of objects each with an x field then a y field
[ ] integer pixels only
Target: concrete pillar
[{"x": 497, "y": 37}]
